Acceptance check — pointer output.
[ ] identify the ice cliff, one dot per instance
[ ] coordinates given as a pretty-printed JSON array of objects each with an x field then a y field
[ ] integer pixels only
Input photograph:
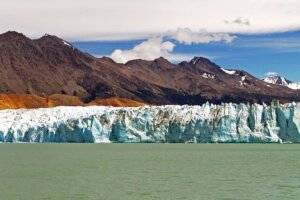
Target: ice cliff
[{"x": 206, "y": 123}]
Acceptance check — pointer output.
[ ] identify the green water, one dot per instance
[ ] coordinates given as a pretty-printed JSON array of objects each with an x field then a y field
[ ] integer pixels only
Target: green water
[{"x": 149, "y": 171}]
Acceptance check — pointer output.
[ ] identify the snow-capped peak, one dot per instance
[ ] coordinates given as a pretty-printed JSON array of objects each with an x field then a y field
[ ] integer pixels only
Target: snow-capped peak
[{"x": 278, "y": 80}]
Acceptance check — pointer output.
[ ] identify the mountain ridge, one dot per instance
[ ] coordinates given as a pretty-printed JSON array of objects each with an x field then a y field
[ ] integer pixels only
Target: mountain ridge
[{"x": 51, "y": 65}]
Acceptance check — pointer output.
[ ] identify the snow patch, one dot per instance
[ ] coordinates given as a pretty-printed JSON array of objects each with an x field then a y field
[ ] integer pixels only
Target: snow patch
[
  {"x": 67, "y": 44},
  {"x": 231, "y": 72},
  {"x": 206, "y": 75},
  {"x": 242, "y": 82},
  {"x": 294, "y": 86}
]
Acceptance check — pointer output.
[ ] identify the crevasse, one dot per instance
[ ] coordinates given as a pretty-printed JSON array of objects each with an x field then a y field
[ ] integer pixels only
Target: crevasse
[{"x": 197, "y": 124}]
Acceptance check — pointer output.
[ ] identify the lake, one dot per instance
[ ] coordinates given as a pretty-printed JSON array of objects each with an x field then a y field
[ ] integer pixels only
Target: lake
[{"x": 149, "y": 171}]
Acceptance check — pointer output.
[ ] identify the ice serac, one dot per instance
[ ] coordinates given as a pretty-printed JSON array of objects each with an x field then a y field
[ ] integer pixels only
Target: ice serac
[{"x": 207, "y": 123}]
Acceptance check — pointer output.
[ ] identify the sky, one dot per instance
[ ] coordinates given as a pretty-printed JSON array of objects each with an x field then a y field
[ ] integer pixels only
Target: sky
[{"x": 259, "y": 36}]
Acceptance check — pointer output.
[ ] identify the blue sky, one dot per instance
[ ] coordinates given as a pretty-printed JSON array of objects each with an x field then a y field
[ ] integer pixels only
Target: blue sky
[{"x": 257, "y": 54}]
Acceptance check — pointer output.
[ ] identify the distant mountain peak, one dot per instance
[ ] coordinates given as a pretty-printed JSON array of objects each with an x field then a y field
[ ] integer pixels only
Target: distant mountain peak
[
  {"x": 12, "y": 35},
  {"x": 279, "y": 80},
  {"x": 137, "y": 62},
  {"x": 161, "y": 60},
  {"x": 52, "y": 39},
  {"x": 48, "y": 37},
  {"x": 276, "y": 79},
  {"x": 108, "y": 59},
  {"x": 197, "y": 60}
]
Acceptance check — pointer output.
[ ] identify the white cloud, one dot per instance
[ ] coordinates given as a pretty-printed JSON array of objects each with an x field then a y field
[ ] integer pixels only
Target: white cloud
[
  {"x": 271, "y": 74},
  {"x": 151, "y": 49},
  {"x": 187, "y": 36},
  {"x": 239, "y": 21},
  {"x": 148, "y": 50},
  {"x": 119, "y": 19}
]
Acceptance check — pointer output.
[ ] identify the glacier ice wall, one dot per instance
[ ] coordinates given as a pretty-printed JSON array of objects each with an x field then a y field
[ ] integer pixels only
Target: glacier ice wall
[{"x": 206, "y": 123}]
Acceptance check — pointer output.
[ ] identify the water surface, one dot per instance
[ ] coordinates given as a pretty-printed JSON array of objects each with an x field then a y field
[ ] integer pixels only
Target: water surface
[{"x": 149, "y": 171}]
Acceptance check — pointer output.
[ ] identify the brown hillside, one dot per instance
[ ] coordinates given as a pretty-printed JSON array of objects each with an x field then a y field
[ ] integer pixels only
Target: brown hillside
[
  {"x": 116, "y": 102},
  {"x": 63, "y": 100},
  {"x": 17, "y": 101}
]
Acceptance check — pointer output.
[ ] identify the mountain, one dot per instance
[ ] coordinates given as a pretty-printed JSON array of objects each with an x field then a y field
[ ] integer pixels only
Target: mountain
[
  {"x": 278, "y": 80},
  {"x": 50, "y": 65}
]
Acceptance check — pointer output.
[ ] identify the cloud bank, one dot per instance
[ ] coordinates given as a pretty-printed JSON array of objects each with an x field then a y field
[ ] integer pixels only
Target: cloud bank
[
  {"x": 78, "y": 20},
  {"x": 187, "y": 36},
  {"x": 156, "y": 47}
]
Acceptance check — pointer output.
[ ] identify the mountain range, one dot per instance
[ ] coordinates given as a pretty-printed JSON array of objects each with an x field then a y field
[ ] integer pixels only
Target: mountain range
[{"x": 50, "y": 65}]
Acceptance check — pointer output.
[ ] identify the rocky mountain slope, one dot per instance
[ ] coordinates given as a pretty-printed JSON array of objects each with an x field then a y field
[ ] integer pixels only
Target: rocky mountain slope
[
  {"x": 206, "y": 123},
  {"x": 29, "y": 101},
  {"x": 49, "y": 65}
]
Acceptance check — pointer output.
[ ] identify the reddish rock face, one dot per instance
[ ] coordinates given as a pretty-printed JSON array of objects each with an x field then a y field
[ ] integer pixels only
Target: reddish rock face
[
  {"x": 50, "y": 65},
  {"x": 116, "y": 102},
  {"x": 16, "y": 101},
  {"x": 29, "y": 101}
]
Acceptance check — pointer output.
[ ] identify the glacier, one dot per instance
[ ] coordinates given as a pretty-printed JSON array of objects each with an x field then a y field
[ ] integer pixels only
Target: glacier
[{"x": 208, "y": 123}]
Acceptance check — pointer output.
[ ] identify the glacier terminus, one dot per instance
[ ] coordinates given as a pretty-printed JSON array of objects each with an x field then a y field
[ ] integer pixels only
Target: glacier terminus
[{"x": 228, "y": 122}]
